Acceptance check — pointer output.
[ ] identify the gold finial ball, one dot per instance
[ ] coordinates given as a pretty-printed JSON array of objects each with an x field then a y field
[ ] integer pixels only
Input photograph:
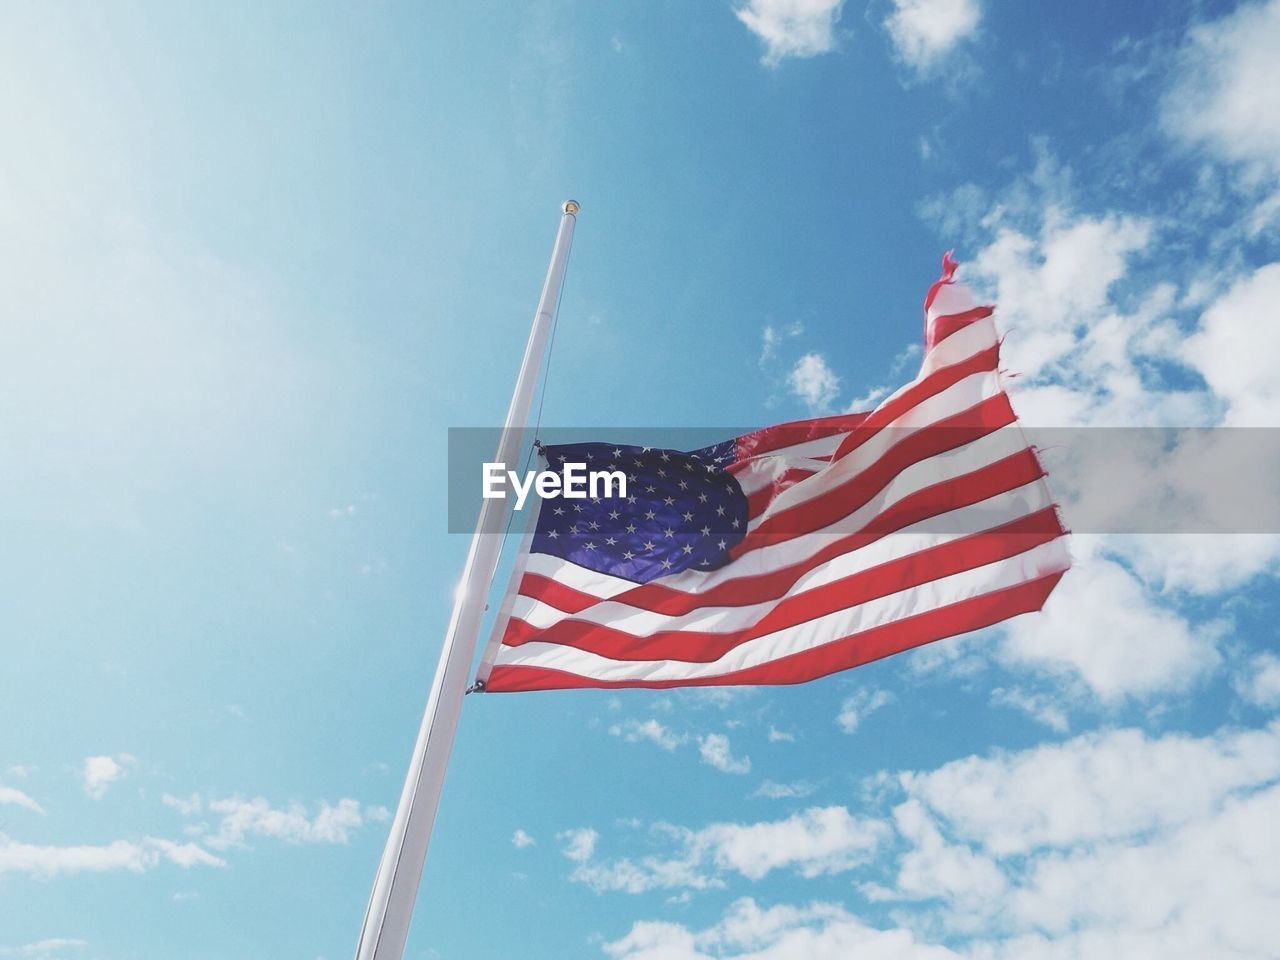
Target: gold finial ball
[{"x": 570, "y": 206}]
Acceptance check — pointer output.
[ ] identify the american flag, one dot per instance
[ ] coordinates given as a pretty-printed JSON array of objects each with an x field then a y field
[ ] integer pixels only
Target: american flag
[{"x": 798, "y": 550}]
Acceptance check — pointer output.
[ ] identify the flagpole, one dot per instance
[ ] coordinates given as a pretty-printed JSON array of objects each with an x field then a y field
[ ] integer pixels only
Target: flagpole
[{"x": 386, "y": 921}]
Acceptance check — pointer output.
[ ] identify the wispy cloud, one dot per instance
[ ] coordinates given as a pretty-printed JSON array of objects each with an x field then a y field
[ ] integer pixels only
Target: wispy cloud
[
  {"x": 814, "y": 842},
  {"x": 792, "y": 28},
  {"x": 785, "y": 791},
  {"x": 520, "y": 840},
  {"x": 856, "y": 707},
  {"x": 15, "y": 797},
  {"x": 635, "y": 731},
  {"x": 49, "y": 949},
  {"x": 716, "y": 751},
  {"x": 48, "y": 861}
]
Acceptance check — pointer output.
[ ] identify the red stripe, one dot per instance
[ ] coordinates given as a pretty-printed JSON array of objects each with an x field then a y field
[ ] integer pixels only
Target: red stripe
[
  {"x": 1010, "y": 473},
  {"x": 939, "y": 380},
  {"x": 947, "y": 324},
  {"x": 781, "y": 435},
  {"x": 842, "y": 654},
  {"x": 841, "y": 500},
  {"x": 701, "y": 646},
  {"x": 758, "y": 500}
]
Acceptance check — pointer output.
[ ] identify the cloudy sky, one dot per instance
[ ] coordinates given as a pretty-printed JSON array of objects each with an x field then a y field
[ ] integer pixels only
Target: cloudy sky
[{"x": 256, "y": 259}]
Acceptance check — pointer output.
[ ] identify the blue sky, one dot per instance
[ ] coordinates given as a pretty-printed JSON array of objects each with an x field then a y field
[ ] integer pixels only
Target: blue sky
[{"x": 255, "y": 260}]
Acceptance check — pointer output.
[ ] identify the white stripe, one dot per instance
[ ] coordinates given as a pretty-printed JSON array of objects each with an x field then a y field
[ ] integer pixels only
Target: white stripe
[
  {"x": 957, "y": 525},
  {"x": 951, "y": 298},
  {"x": 1033, "y": 564},
  {"x": 987, "y": 449},
  {"x": 759, "y": 472},
  {"x": 957, "y": 398}
]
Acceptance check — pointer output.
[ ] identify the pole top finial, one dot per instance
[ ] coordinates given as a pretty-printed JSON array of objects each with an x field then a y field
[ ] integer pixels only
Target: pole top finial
[{"x": 570, "y": 206}]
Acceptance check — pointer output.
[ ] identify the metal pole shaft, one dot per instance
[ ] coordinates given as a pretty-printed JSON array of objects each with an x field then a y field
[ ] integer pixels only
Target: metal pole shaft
[{"x": 395, "y": 889}]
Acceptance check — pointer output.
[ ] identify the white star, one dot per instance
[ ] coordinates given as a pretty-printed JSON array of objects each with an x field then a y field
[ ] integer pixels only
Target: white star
[
  {"x": 631, "y": 528},
  {"x": 591, "y": 546},
  {"x": 668, "y": 500},
  {"x": 661, "y": 472},
  {"x": 735, "y": 524},
  {"x": 684, "y": 484},
  {"x": 705, "y": 562},
  {"x": 688, "y": 466},
  {"x": 702, "y": 498},
  {"x": 613, "y": 514},
  {"x": 559, "y": 511},
  {"x": 645, "y": 449},
  {"x": 553, "y": 535},
  {"x": 719, "y": 511},
  {"x": 687, "y": 549},
  {"x": 631, "y": 499},
  {"x": 649, "y": 514},
  {"x": 593, "y": 525},
  {"x": 665, "y": 457},
  {"x": 617, "y": 451},
  {"x": 577, "y": 508},
  {"x": 648, "y": 544},
  {"x": 628, "y": 555},
  {"x": 721, "y": 544},
  {"x": 687, "y": 515},
  {"x": 668, "y": 532},
  {"x": 705, "y": 531},
  {"x": 610, "y": 541},
  {"x": 666, "y": 564}
]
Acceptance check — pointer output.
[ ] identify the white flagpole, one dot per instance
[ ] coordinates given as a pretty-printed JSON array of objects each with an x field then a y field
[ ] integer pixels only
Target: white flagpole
[{"x": 386, "y": 922}]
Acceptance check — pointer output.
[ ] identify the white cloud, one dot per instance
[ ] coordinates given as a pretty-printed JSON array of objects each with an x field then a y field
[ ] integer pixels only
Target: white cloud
[
  {"x": 15, "y": 797},
  {"x": 1223, "y": 94},
  {"x": 1237, "y": 353},
  {"x": 241, "y": 819},
  {"x": 785, "y": 791},
  {"x": 1258, "y": 681},
  {"x": 579, "y": 844},
  {"x": 1095, "y": 787},
  {"x": 187, "y": 806},
  {"x": 855, "y": 708},
  {"x": 814, "y": 382},
  {"x": 820, "y": 840},
  {"x": 780, "y": 736},
  {"x": 1043, "y": 708},
  {"x": 1053, "y": 288},
  {"x": 814, "y": 842},
  {"x": 634, "y": 731},
  {"x": 102, "y": 771},
  {"x": 520, "y": 840},
  {"x": 925, "y": 31},
  {"x": 48, "y": 949},
  {"x": 46, "y": 861},
  {"x": 1101, "y": 627},
  {"x": 792, "y": 28},
  {"x": 818, "y": 931},
  {"x": 716, "y": 751}
]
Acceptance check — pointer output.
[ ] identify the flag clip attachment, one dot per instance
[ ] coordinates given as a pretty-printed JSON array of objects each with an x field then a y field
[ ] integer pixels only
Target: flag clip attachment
[{"x": 477, "y": 687}]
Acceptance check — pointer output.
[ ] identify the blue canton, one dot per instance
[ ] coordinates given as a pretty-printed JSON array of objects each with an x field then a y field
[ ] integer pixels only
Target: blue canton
[{"x": 682, "y": 511}]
